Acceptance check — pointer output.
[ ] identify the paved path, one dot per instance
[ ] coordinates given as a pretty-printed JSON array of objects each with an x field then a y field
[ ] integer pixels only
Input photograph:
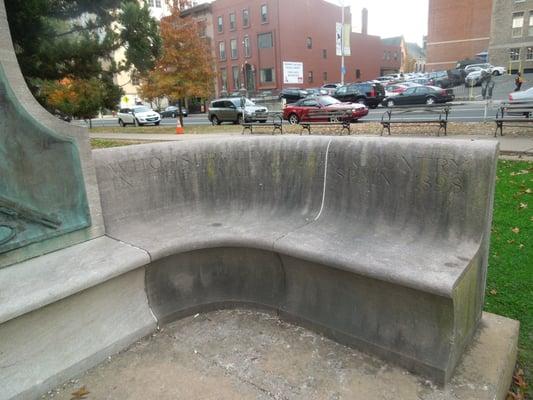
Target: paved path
[{"x": 509, "y": 145}]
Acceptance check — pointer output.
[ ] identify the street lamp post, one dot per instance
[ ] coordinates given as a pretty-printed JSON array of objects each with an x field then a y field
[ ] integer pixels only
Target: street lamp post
[{"x": 343, "y": 69}]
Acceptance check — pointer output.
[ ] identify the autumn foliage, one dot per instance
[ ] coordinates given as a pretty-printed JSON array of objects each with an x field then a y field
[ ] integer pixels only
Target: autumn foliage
[{"x": 185, "y": 67}]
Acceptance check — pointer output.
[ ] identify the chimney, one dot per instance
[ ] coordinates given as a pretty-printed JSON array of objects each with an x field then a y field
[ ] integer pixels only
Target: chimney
[{"x": 364, "y": 26}]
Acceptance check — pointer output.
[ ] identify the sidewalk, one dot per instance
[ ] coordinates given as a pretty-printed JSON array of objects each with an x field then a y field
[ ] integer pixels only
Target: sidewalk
[{"x": 509, "y": 145}]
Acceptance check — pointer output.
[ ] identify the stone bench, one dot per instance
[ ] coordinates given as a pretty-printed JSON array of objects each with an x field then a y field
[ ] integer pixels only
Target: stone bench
[{"x": 379, "y": 244}]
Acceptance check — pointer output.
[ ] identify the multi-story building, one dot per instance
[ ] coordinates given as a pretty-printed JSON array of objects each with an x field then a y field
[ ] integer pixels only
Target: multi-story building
[
  {"x": 458, "y": 30},
  {"x": 266, "y": 45},
  {"x": 511, "y": 43}
]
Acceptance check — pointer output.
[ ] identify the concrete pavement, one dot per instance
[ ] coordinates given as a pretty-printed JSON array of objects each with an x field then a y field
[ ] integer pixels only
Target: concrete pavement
[{"x": 509, "y": 145}]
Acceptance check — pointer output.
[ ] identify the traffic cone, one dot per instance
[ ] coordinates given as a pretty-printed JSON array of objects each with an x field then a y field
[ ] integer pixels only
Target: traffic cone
[{"x": 179, "y": 128}]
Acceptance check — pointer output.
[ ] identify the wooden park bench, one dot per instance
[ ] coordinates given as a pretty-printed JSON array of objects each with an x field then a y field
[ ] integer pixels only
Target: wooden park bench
[
  {"x": 517, "y": 114},
  {"x": 324, "y": 118},
  {"x": 274, "y": 120},
  {"x": 434, "y": 115}
]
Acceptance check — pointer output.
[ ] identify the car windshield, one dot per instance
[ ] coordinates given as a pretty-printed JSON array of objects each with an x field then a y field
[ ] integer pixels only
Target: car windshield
[
  {"x": 141, "y": 109},
  {"x": 328, "y": 100},
  {"x": 248, "y": 102}
]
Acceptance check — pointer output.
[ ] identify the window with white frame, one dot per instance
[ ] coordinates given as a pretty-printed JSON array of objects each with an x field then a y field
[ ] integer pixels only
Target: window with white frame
[
  {"x": 267, "y": 75},
  {"x": 220, "y": 24},
  {"x": 246, "y": 45},
  {"x": 235, "y": 71},
  {"x": 233, "y": 48},
  {"x": 264, "y": 14},
  {"x": 514, "y": 54},
  {"x": 232, "y": 22},
  {"x": 530, "y": 27},
  {"x": 518, "y": 24},
  {"x": 245, "y": 18},
  {"x": 222, "y": 50},
  {"x": 529, "y": 54},
  {"x": 264, "y": 40}
]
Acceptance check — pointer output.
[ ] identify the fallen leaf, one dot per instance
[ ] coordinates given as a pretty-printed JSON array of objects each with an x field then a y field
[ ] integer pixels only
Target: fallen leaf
[
  {"x": 516, "y": 230},
  {"x": 493, "y": 292},
  {"x": 522, "y": 205},
  {"x": 521, "y": 246},
  {"x": 81, "y": 393},
  {"x": 528, "y": 191},
  {"x": 510, "y": 241}
]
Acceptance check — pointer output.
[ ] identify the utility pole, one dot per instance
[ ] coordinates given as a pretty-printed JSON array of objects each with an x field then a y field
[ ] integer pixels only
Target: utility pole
[{"x": 343, "y": 68}]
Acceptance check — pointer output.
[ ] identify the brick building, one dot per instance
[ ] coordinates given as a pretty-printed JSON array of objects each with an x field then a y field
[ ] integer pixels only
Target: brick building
[
  {"x": 457, "y": 30},
  {"x": 511, "y": 43},
  {"x": 253, "y": 39}
]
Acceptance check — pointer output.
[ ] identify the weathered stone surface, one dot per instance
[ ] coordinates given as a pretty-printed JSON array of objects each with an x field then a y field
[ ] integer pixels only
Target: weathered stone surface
[
  {"x": 46, "y": 171},
  {"x": 404, "y": 221},
  {"x": 240, "y": 354},
  {"x": 39, "y": 350}
]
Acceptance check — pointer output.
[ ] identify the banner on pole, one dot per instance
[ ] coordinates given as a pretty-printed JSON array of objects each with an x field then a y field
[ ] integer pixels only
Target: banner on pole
[{"x": 342, "y": 34}]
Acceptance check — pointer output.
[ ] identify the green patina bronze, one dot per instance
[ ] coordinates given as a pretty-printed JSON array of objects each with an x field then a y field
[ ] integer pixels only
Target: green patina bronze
[{"x": 42, "y": 192}]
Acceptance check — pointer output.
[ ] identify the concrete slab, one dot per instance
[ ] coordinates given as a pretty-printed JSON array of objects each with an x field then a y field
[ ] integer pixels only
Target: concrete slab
[
  {"x": 43, "y": 348},
  {"x": 243, "y": 354}
]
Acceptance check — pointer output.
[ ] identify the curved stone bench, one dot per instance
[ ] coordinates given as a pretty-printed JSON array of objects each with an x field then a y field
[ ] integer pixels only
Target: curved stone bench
[{"x": 380, "y": 244}]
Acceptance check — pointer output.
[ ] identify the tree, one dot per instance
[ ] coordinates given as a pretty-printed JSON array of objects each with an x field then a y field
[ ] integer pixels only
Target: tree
[
  {"x": 185, "y": 67},
  {"x": 76, "y": 39}
]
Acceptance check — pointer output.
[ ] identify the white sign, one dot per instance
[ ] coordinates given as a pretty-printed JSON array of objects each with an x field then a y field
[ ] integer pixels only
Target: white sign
[
  {"x": 293, "y": 72},
  {"x": 338, "y": 38}
]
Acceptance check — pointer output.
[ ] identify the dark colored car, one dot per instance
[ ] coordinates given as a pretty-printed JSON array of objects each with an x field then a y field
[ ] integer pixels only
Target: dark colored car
[
  {"x": 294, "y": 113},
  {"x": 439, "y": 79},
  {"x": 420, "y": 95},
  {"x": 292, "y": 95},
  {"x": 173, "y": 111},
  {"x": 316, "y": 92},
  {"x": 370, "y": 94}
]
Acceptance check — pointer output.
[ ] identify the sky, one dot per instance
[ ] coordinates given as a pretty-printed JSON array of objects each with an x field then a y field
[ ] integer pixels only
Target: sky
[{"x": 387, "y": 18}]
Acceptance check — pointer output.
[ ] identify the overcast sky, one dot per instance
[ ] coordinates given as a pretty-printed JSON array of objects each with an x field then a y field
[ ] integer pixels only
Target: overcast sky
[{"x": 387, "y": 18}]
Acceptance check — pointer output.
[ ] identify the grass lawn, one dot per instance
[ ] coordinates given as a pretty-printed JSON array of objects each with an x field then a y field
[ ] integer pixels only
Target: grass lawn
[{"x": 510, "y": 276}]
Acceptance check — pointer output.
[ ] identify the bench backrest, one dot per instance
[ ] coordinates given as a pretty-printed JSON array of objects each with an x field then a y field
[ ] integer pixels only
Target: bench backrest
[{"x": 440, "y": 188}]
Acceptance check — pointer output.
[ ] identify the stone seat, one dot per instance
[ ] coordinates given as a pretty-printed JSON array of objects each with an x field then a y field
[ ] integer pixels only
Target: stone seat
[{"x": 381, "y": 244}]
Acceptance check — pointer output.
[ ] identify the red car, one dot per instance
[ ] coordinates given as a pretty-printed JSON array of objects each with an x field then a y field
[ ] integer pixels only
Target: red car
[{"x": 299, "y": 111}]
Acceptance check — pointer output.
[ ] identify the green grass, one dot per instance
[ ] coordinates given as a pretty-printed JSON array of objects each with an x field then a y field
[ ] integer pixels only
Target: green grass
[
  {"x": 105, "y": 143},
  {"x": 510, "y": 275}
]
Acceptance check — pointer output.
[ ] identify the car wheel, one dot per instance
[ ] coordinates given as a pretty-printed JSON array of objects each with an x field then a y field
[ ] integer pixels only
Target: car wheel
[
  {"x": 157, "y": 123},
  {"x": 215, "y": 120},
  {"x": 121, "y": 123},
  {"x": 496, "y": 73},
  {"x": 293, "y": 119},
  {"x": 430, "y": 101},
  {"x": 390, "y": 103},
  {"x": 373, "y": 106}
]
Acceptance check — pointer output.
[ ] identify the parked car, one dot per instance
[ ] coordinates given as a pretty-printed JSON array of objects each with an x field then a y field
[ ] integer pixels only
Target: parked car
[
  {"x": 331, "y": 87},
  {"x": 292, "y": 95},
  {"x": 236, "y": 110},
  {"x": 439, "y": 79},
  {"x": 299, "y": 111},
  {"x": 521, "y": 96},
  {"x": 395, "y": 89},
  {"x": 476, "y": 76},
  {"x": 173, "y": 112},
  {"x": 138, "y": 115},
  {"x": 420, "y": 95},
  {"x": 367, "y": 93},
  {"x": 317, "y": 92}
]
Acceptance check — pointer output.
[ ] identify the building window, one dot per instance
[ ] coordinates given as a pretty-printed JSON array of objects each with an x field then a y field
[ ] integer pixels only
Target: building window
[
  {"x": 530, "y": 30},
  {"x": 309, "y": 42},
  {"x": 202, "y": 29},
  {"x": 514, "y": 54},
  {"x": 267, "y": 75},
  {"x": 245, "y": 18},
  {"x": 222, "y": 50},
  {"x": 236, "y": 77},
  {"x": 324, "y": 53},
  {"x": 233, "y": 48},
  {"x": 220, "y": 24},
  {"x": 325, "y": 77},
  {"x": 224, "y": 78},
  {"x": 232, "y": 22},
  {"x": 264, "y": 40},
  {"x": 151, "y": 3},
  {"x": 529, "y": 54},
  {"x": 246, "y": 44},
  {"x": 518, "y": 23},
  {"x": 158, "y": 3},
  {"x": 310, "y": 77},
  {"x": 264, "y": 14},
  {"x": 357, "y": 74}
]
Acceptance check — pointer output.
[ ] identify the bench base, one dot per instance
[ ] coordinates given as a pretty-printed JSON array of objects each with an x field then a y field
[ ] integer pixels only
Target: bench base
[{"x": 243, "y": 354}]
